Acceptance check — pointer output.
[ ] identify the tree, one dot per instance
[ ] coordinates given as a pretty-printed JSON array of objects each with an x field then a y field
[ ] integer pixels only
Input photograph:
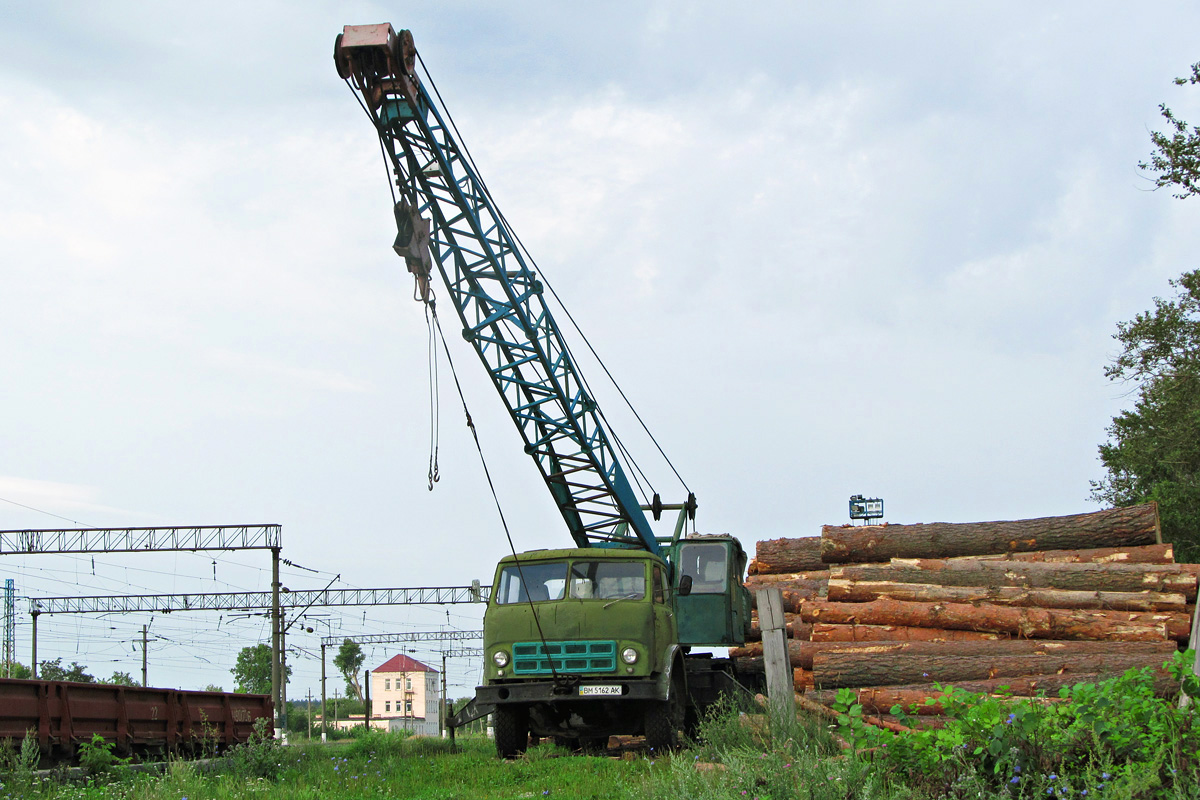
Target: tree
[
  {"x": 349, "y": 661},
  {"x": 1153, "y": 450},
  {"x": 252, "y": 672},
  {"x": 121, "y": 679},
  {"x": 1177, "y": 159},
  {"x": 19, "y": 671},
  {"x": 55, "y": 671}
]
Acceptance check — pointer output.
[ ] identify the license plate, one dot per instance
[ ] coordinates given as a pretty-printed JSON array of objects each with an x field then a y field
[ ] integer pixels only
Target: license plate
[{"x": 593, "y": 691}]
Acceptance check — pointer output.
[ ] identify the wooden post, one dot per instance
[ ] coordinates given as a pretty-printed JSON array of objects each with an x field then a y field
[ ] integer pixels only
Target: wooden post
[{"x": 780, "y": 688}]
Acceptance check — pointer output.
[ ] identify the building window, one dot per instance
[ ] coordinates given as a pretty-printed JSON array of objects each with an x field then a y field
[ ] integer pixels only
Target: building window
[
  {"x": 408, "y": 706},
  {"x": 387, "y": 705},
  {"x": 387, "y": 684},
  {"x": 408, "y": 683}
]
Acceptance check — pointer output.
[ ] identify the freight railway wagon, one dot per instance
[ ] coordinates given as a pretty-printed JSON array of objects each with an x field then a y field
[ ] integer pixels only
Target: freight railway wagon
[{"x": 145, "y": 721}]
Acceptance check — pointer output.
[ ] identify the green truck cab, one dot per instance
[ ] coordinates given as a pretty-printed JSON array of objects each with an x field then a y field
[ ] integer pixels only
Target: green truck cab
[{"x": 584, "y": 643}]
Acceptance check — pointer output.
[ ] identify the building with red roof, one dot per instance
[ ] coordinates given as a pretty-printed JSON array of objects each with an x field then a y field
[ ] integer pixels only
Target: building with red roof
[{"x": 405, "y": 695}]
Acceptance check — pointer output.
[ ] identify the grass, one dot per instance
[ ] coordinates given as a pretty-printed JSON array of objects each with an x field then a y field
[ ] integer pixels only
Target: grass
[{"x": 1113, "y": 741}]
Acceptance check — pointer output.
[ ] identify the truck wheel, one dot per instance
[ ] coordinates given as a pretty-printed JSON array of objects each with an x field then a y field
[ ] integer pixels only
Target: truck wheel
[
  {"x": 664, "y": 719},
  {"x": 512, "y": 730}
]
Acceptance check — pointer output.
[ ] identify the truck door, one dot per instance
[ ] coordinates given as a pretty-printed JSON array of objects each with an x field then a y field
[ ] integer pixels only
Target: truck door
[
  {"x": 705, "y": 612},
  {"x": 665, "y": 633}
]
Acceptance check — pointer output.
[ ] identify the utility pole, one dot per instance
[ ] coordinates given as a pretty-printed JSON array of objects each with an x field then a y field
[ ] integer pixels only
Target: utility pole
[
  {"x": 324, "y": 719},
  {"x": 275, "y": 643},
  {"x": 283, "y": 676},
  {"x": 10, "y": 626},
  {"x": 442, "y": 712},
  {"x": 34, "y": 613},
  {"x": 145, "y": 629},
  {"x": 309, "y": 706},
  {"x": 367, "y": 701}
]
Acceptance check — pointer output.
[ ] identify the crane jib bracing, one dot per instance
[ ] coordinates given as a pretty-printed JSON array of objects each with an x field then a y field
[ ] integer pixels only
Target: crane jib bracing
[{"x": 446, "y": 218}]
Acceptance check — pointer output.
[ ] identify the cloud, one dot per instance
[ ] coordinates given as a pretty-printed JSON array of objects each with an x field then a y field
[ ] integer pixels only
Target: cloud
[
  {"x": 54, "y": 498},
  {"x": 248, "y": 364}
]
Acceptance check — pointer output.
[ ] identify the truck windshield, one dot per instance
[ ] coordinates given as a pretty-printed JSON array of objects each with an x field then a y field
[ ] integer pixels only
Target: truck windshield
[
  {"x": 544, "y": 581},
  {"x": 608, "y": 580}
]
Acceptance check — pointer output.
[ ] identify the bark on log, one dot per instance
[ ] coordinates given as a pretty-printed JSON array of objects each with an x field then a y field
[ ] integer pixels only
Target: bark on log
[
  {"x": 836, "y": 669},
  {"x": 1117, "y": 527},
  {"x": 763, "y": 581},
  {"x": 803, "y": 654},
  {"x": 1178, "y": 625},
  {"x": 1145, "y": 554},
  {"x": 1108, "y": 577},
  {"x": 750, "y": 664},
  {"x": 881, "y": 699},
  {"x": 788, "y": 555},
  {"x": 792, "y": 601},
  {"x": 865, "y": 591},
  {"x": 794, "y": 592},
  {"x": 825, "y": 632},
  {"x": 826, "y": 712},
  {"x": 796, "y": 628},
  {"x": 1029, "y": 623},
  {"x": 818, "y": 709},
  {"x": 802, "y": 679}
]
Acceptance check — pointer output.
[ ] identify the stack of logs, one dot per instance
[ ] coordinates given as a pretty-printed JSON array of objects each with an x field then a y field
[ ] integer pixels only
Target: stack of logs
[{"x": 1032, "y": 605}]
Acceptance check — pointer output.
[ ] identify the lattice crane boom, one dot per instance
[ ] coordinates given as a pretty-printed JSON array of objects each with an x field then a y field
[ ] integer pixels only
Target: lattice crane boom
[{"x": 447, "y": 220}]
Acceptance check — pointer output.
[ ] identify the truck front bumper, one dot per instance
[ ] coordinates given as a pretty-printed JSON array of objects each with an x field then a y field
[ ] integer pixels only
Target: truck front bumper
[{"x": 549, "y": 691}]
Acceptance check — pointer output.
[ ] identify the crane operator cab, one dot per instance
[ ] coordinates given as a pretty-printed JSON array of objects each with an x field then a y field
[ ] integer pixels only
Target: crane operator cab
[{"x": 714, "y": 607}]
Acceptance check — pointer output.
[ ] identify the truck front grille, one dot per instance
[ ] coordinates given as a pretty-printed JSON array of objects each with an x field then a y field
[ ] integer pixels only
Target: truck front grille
[{"x": 534, "y": 658}]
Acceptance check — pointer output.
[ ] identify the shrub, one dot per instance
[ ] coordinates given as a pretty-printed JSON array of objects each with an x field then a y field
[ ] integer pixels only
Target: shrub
[
  {"x": 1115, "y": 732},
  {"x": 97, "y": 759},
  {"x": 260, "y": 756}
]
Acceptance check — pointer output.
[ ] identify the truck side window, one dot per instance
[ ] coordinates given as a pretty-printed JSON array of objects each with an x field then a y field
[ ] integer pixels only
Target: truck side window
[
  {"x": 706, "y": 564},
  {"x": 660, "y": 594}
]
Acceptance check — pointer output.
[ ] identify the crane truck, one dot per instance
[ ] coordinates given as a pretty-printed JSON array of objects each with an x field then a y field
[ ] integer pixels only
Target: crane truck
[{"x": 595, "y": 639}]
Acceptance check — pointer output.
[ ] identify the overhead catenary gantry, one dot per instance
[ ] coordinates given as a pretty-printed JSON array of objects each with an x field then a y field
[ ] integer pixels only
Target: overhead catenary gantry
[
  {"x": 141, "y": 540},
  {"x": 252, "y": 601},
  {"x": 256, "y": 601},
  {"x": 162, "y": 539},
  {"x": 405, "y": 637}
]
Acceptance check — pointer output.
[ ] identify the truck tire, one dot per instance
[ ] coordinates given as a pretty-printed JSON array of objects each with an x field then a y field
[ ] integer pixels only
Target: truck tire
[
  {"x": 664, "y": 718},
  {"x": 511, "y": 725}
]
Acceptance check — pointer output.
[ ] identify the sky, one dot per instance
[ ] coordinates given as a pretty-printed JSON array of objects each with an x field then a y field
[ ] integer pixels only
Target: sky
[{"x": 825, "y": 249}]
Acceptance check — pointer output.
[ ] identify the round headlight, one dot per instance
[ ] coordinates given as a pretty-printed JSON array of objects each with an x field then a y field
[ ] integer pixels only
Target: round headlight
[
  {"x": 500, "y": 658},
  {"x": 629, "y": 655}
]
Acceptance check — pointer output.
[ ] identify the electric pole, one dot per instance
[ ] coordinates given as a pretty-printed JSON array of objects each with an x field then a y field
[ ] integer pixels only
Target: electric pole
[{"x": 145, "y": 629}]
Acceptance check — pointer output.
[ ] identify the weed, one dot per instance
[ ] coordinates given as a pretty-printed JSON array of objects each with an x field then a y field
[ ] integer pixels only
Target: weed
[
  {"x": 210, "y": 741},
  {"x": 260, "y": 756},
  {"x": 97, "y": 758}
]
